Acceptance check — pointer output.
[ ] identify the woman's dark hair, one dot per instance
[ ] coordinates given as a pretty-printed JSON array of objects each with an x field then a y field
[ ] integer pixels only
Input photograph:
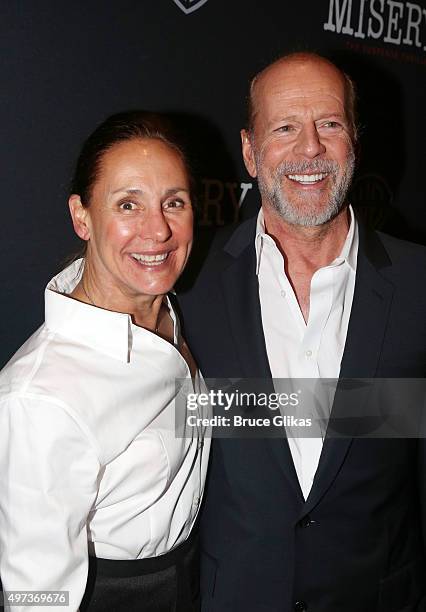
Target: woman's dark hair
[{"x": 115, "y": 129}]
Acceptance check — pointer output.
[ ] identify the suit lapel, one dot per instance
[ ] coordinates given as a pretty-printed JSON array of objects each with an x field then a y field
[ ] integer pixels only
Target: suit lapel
[
  {"x": 370, "y": 311},
  {"x": 366, "y": 331},
  {"x": 241, "y": 294}
]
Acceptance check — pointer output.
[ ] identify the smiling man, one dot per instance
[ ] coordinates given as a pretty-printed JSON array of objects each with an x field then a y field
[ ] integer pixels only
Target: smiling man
[
  {"x": 300, "y": 140},
  {"x": 305, "y": 291}
]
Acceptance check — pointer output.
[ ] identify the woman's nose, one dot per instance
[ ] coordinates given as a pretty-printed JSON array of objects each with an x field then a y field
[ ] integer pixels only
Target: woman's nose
[{"x": 155, "y": 226}]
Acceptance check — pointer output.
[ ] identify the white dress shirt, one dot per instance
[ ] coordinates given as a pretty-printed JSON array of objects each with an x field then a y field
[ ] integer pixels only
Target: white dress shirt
[
  {"x": 299, "y": 349},
  {"x": 88, "y": 454}
]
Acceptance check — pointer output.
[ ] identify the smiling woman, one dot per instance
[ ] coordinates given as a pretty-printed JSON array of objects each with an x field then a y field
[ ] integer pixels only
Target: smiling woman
[
  {"x": 137, "y": 220},
  {"x": 99, "y": 498}
]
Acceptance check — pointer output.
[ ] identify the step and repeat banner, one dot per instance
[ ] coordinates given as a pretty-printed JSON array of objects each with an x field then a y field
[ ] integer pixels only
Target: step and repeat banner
[{"x": 67, "y": 65}]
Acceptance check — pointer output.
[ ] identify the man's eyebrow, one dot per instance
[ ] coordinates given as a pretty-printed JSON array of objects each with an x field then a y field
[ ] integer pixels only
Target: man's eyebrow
[
  {"x": 285, "y": 118},
  {"x": 297, "y": 117},
  {"x": 339, "y": 115}
]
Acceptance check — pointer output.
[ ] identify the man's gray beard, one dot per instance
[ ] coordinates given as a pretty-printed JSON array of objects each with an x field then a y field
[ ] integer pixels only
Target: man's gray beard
[{"x": 288, "y": 211}]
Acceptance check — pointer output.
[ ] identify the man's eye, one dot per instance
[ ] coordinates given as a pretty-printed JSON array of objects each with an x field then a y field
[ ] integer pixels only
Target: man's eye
[
  {"x": 127, "y": 205},
  {"x": 284, "y": 128},
  {"x": 331, "y": 124}
]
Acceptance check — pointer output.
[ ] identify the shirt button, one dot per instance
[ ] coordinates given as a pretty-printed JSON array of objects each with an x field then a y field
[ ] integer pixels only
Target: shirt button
[
  {"x": 300, "y": 606},
  {"x": 308, "y": 353},
  {"x": 283, "y": 293}
]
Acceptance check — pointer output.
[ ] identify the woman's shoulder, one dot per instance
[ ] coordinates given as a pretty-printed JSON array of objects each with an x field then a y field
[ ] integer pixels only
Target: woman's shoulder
[
  {"x": 104, "y": 396},
  {"x": 43, "y": 380},
  {"x": 19, "y": 371}
]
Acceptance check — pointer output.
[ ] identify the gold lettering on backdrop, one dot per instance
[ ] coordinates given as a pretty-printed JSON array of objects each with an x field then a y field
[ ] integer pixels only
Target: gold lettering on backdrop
[
  {"x": 212, "y": 201},
  {"x": 216, "y": 194}
]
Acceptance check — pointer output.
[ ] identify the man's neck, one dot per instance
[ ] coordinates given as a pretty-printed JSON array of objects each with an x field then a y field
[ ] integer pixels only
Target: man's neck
[{"x": 306, "y": 249}]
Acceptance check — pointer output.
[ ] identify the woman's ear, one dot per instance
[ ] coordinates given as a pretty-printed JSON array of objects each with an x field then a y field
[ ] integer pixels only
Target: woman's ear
[{"x": 80, "y": 217}]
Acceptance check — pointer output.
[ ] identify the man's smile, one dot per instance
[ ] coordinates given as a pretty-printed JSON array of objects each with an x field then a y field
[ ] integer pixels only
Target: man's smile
[{"x": 307, "y": 179}]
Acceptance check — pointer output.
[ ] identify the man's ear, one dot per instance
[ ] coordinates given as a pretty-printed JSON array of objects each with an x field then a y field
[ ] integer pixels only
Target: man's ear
[
  {"x": 80, "y": 217},
  {"x": 248, "y": 154}
]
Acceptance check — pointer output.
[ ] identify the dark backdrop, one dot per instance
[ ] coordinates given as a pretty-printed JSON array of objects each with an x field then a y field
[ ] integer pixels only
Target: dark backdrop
[{"x": 67, "y": 65}]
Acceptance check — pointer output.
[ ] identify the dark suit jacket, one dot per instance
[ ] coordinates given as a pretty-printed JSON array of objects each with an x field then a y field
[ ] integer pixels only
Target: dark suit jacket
[{"x": 357, "y": 543}]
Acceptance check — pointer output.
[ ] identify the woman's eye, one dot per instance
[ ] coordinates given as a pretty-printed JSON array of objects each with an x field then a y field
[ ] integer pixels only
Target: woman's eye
[
  {"x": 174, "y": 204},
  {"x": 128, "y": 206}
]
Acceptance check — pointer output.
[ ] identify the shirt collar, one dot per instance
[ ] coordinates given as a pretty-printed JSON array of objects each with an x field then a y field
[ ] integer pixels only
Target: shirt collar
[
  {"x": 105, "y": 331},
  {"x": 349, "y": 250},
  {"x": 261, "y": 237},
  {"x": 348, "y": 253}
]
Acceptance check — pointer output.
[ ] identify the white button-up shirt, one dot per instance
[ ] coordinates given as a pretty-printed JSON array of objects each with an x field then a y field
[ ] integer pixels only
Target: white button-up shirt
[
  {"x": 89, "y": 460},
  {"x": 299, "y": 349}
]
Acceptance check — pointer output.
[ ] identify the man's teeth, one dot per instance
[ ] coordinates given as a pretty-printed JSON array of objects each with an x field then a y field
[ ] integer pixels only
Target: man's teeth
[
  {"x": 152, "y": 260},
  {"x": 307, "y": 178}
]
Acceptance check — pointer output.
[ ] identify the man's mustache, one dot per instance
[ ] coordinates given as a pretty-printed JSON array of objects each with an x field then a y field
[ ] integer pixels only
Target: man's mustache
[{"x": 315, "y": 166}]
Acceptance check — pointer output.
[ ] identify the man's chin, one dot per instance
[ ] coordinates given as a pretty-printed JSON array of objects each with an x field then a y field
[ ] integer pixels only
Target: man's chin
[{"x": 305, "y": 216}]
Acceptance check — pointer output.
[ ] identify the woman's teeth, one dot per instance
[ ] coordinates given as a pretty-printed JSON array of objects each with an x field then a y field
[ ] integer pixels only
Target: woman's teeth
[{"x": 152, "y": 260}]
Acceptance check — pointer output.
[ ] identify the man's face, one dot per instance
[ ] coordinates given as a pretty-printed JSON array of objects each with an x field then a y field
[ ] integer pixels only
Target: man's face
[{"x": 300, "y": 147}]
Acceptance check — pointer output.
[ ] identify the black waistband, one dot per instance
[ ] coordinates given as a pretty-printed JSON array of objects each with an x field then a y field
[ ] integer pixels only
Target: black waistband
[{"x": 138, "y": 567}]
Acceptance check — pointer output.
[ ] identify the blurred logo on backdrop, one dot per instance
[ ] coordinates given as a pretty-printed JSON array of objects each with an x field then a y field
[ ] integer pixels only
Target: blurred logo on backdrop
[
  {"x": 372, "y": 197},
  {"x": 189, "y": 6}
]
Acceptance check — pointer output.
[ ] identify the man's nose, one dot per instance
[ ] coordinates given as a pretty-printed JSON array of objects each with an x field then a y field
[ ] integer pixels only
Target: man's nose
[
  {"x": 155, "y": 226},
  {"x": 309, "y": 143}
]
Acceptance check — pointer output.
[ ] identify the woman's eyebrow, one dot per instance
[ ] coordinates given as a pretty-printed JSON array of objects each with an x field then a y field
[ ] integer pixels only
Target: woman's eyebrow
[
  {"x": 174, "y": 190},
  {"x": 138, "y": 191},
  {"x": 128, "y": 190}
]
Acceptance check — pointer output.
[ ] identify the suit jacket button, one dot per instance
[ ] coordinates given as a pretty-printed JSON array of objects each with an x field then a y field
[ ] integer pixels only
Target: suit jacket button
[
  {"x": 300, "y": 606},
  {"x": 306, "y": 521}
]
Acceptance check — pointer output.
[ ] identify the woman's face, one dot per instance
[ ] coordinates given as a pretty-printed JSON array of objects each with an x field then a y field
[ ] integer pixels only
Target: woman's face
[{"x": 139, "y": 222}]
